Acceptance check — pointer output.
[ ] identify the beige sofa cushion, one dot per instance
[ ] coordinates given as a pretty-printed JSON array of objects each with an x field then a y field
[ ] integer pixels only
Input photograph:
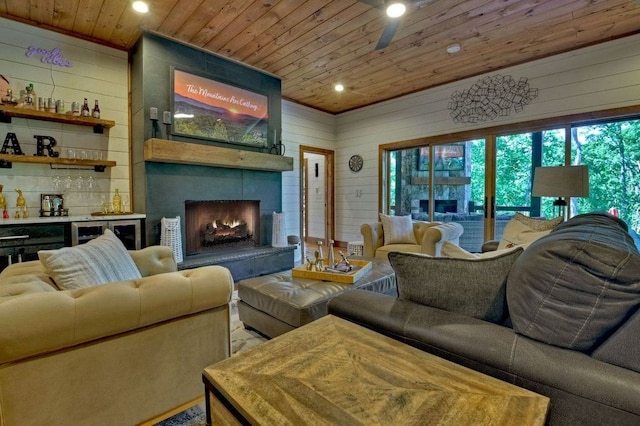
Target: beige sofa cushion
[
  {"x": 524, "y": 229},
  {"x": 154, "y": 260},
  {"x": 452, "y": 250},
  {"x": 383, "y": 252},
  {"x": 101, "y": 260}
]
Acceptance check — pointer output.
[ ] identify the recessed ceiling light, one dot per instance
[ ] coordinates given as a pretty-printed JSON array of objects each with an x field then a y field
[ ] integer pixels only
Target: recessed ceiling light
[
  {"x": 140, "y": 6},
  {"x": 396, "y": 10},
  {"x": 338, "y": 87},
  {"x": 453, "y": 48}
]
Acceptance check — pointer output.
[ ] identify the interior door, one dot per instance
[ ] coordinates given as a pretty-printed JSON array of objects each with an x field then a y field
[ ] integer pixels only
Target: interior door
[{"x": 317, "y": 194}]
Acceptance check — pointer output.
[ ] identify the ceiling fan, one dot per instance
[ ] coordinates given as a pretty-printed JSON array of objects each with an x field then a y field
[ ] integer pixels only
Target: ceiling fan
[{"x": 394, "y": 11}]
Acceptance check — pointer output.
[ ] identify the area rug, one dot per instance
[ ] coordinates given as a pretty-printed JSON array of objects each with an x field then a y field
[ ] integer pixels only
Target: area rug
[{"x": 241, "y": 340}]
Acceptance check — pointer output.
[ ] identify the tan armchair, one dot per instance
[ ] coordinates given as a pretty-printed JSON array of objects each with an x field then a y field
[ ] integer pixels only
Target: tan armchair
[{"x": 429, "y": 235}]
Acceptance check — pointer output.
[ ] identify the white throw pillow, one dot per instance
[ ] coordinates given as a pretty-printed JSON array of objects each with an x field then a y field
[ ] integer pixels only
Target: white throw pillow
[
  {"x": 397, "y": 229},
  {"x": 523, "y": 229},
  {"x": 100, "y": 261}
]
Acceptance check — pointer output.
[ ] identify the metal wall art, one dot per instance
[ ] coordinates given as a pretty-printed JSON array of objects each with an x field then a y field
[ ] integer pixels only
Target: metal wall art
[{"x": 491, "y": 97}]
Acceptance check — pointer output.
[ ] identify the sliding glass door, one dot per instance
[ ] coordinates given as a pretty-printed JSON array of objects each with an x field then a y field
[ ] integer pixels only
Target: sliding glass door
[
  {"x": 444, "y": 183},
  {"x": 482, "y": 183},
  {"x": 611, "y": 150},
  {"x": 517, "y": 156}
]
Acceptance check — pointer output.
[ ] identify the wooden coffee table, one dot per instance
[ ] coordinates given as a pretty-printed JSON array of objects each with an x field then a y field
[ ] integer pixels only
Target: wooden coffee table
[{"x": 332, "y": 371}]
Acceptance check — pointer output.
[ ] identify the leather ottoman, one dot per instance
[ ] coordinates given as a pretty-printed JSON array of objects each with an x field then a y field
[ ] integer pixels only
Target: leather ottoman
[{"x": 277, "y": 303}]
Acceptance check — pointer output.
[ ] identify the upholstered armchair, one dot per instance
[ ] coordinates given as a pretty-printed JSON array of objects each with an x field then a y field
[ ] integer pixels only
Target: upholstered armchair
[
  {"x": 427, "y": 238},
  {"x": 118, "y": 353}
]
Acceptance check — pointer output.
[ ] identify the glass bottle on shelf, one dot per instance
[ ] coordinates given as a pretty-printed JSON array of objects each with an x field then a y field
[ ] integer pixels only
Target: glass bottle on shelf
[
  {"x": 29, "y": 97},
  {"x": 117, "y": 202},
  {"x": 96, "y": 110},
  {"x": 84, "y": 112},
  {"x": 3, "y": 204}
]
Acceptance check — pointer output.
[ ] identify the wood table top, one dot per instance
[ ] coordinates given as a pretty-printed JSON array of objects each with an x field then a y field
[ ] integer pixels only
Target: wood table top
[{"x": 332, "y": 371}]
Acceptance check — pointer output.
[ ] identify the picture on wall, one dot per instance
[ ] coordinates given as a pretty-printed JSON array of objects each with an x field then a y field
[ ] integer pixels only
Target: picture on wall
[
  {"x": 447, "y": 158},
  {"x": 209, "y": 109}
]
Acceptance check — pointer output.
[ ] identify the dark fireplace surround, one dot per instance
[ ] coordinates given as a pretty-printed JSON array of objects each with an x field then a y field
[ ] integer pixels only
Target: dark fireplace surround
[{"x": 160, "y": 189}]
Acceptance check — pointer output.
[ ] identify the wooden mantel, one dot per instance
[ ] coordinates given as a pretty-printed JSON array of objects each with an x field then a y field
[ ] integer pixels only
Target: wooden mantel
[{"x": 166, "y": 151}]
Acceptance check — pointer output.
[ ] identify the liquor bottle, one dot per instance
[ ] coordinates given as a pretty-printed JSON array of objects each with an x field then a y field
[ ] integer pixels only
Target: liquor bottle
[
  {"x": 96, "y": 110},
  {"x": 84, "y": 112},
  {"x": 117, "y": 202}
]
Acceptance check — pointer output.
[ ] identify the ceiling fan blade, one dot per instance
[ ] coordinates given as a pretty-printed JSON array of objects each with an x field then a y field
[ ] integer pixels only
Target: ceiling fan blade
[
  {"x": 388, "y": 33},
  {"x": 373, "y": 3}
]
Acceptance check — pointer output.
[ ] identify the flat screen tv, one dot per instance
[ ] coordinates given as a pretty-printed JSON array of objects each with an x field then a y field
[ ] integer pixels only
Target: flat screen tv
[{"x": 209, "y": 109}]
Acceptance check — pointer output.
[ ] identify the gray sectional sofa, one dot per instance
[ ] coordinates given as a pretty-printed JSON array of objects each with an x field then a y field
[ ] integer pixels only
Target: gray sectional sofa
[{"x": 560, "y": 318}]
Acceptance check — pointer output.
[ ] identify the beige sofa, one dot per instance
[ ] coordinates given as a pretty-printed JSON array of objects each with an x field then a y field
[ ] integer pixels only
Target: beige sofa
[
  {"x": 429, "y": 235},
  {"x": 121, "y": 353}
]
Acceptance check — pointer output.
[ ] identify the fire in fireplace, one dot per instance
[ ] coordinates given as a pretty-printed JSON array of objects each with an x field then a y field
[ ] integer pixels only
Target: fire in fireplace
[
  {"x": 217, "y": 224},
  {"x": 220, "y": 231}
]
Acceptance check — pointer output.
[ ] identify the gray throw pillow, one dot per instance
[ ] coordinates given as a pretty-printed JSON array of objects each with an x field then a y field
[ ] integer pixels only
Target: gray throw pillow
[
  {"x": 577, "y": 285},
  {"x": 472, "y": 287}
]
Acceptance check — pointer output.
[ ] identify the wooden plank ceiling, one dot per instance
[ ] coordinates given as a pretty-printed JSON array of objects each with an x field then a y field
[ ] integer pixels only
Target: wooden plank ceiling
[{"x": 313, "y": 44}]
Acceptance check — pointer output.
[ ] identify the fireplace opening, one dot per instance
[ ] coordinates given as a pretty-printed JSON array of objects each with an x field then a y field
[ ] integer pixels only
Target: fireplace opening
[{"x": 218, "y": 224}]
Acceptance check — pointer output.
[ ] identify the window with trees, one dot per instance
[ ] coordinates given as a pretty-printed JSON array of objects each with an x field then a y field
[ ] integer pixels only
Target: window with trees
[{"x": 448, "y": 181}]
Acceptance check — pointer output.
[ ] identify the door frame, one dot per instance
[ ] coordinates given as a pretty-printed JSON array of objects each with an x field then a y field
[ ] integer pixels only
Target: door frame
[{"x": 329, "y": 201}]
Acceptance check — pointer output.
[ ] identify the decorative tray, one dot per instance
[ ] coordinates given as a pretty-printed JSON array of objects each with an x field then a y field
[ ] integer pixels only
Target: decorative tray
[{"x": 360, "y": 268}]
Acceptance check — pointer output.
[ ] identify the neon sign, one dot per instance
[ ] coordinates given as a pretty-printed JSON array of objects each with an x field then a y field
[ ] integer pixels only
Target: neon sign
[{"x": 49, "y": 56}]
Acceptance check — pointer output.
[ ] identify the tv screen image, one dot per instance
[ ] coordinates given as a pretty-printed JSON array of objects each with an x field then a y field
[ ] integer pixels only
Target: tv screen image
[{"x": 209, "y": 109}]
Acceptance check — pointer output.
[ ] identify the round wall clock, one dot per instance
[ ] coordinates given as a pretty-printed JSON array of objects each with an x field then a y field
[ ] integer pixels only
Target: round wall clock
[{"x": 355, "y": 163}]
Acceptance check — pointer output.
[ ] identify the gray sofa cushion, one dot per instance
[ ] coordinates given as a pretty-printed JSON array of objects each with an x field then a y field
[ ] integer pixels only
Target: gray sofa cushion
[
  {"x": 575, "y": 286},
  {"x": 623, "y": 347},
  {"x": 473, "y": 287}
]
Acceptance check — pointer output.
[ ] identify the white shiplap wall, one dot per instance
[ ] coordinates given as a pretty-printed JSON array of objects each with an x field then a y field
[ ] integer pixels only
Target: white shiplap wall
[
  {"x": 595, "y": 78},
  {"x": 301, "y": 126},
  {"x": 97, "y": 72}
]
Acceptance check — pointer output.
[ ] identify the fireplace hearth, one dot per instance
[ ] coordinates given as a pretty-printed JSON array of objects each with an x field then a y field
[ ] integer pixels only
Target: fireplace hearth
[{"x": 221, "y": 224}]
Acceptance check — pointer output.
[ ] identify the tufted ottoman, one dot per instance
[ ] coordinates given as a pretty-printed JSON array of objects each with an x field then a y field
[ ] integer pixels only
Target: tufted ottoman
[{"x": 277, "y": 303}]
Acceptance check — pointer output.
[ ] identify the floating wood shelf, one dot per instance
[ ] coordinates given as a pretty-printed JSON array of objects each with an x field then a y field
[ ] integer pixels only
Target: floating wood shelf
[
  {"x": 6, "y": 112},
  {"x": 442, "y": 180},
  {"x": 99, "y": 166},
  {"x": 166, "y": 151}
]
